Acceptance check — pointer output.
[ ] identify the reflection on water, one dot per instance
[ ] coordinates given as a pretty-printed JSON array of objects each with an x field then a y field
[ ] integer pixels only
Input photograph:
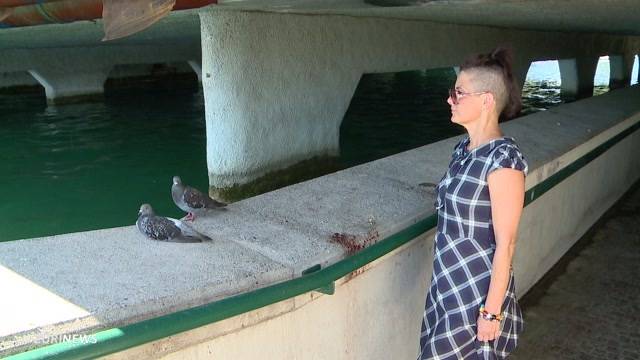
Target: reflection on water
[{"x": 88, "y": 166}]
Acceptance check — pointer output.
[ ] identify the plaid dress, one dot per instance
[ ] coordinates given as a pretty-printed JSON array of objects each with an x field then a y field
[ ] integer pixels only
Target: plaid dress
[{"x": 463, "y": 255}]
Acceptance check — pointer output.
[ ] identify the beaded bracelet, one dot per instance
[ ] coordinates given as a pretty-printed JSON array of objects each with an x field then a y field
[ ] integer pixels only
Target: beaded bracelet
[{"x": 489, "y": 316}]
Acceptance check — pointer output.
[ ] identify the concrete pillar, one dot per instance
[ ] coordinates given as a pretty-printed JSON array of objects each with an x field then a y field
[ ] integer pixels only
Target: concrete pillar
[
  {"x": 520, "y": 70},
  {"x": 620, "y": 68},
  {"x": 577, "y": 76},
  {"x": 68, "y": 82},
  {"x": 275, "y": 95}
]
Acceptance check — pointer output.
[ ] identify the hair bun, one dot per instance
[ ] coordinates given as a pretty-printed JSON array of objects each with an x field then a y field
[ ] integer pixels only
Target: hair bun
[{"x": 501, "y": 55}]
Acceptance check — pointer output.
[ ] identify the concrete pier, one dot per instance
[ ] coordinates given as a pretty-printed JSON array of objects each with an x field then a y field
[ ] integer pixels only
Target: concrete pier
[
  {"x": 71, "y": 81},
  {"x": 577, "y": 76}
]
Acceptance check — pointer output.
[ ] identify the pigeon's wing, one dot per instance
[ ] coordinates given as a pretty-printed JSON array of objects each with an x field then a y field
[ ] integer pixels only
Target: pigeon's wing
[
  {"x": 194, "y": 198},
  {"x": 197, "y": 200},
  {"x": 163, "y": 229},
  {"x": 188, "y": 232}
]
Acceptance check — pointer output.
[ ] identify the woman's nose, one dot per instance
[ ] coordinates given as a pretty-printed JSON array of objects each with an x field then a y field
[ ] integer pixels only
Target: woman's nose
[{"x": 450, "y": 101}]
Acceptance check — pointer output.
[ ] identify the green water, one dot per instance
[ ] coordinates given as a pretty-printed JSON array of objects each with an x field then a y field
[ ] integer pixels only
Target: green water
[
  {"x": 394, "y": 112},
  {"x": 89, "y": 166}
]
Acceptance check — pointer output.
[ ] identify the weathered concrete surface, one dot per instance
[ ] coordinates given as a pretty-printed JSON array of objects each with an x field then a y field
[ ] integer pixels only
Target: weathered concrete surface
[
  {"x": 587, "y": 306},
  {"x": 371, "y": 208},
  {"x": 616, "y": 16},
  {"x": 118, "y": 277},
  {"x": 346, "y": 325}
]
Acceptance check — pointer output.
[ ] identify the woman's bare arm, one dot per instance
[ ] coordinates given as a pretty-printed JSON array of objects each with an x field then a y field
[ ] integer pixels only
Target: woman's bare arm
[{"x": 506, "y": 189}]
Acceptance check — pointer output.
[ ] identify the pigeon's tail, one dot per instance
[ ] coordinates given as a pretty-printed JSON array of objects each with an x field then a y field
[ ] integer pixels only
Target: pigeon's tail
[
  {"x": 187, "y": 239},
  {"x": 189, "y": 233},
  {"x": 203, "y": 237},
  {"x": 215, "y": 204}
]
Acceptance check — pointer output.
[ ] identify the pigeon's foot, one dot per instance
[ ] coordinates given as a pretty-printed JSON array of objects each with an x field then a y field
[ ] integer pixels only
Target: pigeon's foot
[{"x": 189, "y": 217}]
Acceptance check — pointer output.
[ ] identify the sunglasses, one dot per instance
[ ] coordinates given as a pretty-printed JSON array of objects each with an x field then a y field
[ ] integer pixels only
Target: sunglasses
[{"x": 456, "y": 95}]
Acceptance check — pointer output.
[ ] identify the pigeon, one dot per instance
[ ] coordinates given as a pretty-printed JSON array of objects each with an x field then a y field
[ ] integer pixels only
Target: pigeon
[
  {"x": 166, "y": 229},
  {"x": 192, "y": 201}
]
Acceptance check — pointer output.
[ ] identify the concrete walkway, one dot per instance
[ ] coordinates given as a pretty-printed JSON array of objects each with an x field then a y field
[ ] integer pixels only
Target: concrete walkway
[{"x": 588, "y": 305}]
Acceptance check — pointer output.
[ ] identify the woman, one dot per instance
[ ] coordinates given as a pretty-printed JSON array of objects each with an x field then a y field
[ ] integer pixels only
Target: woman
[{"x": 471, "y": 310}]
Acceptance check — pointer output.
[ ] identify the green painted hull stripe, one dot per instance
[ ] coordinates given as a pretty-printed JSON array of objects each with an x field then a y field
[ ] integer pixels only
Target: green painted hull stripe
[{"x": 119, "y": 339}]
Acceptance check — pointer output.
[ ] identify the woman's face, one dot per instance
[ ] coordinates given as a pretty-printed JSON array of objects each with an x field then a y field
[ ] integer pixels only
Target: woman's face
[{"x": 468, "y": 105}]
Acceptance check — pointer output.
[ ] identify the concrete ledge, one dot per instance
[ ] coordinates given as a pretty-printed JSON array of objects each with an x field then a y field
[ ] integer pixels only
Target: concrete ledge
[{"x": 113, "y": 277}]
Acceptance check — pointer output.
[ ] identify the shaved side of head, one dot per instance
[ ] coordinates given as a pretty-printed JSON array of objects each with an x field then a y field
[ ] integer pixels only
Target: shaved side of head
[{"x": 490, "y": 79}]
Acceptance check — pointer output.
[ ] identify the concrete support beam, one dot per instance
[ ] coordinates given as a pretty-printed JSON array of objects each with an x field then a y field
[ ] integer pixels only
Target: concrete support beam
[
  {"x": 68, "y": 82},
  {"x": 621, "y": 67},
  {"x": 577, "y": 76},
  {"x": 67, "y": 73}
]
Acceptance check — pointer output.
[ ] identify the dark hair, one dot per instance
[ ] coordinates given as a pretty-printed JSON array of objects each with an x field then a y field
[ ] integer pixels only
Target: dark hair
[{"x": 499, "y": 61}]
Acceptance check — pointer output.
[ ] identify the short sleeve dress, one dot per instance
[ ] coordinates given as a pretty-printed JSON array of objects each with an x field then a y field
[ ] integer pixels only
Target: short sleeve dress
[{"x": 463, "y": 255}]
